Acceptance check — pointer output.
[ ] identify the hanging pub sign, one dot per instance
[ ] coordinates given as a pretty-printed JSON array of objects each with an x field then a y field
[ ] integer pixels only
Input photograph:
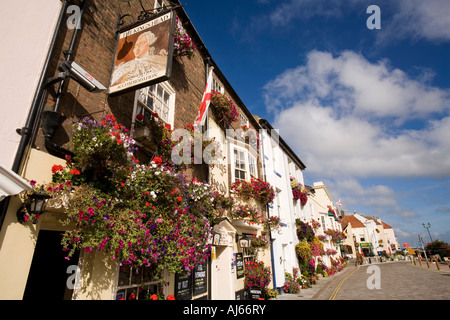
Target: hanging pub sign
[{"x": 143, "y": 54}]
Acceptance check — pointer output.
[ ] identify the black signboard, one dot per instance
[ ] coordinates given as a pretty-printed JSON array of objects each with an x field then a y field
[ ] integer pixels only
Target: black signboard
[
  {"x": 194, "y": 284},
  {"x": 255, "y": 294},
  {"x": 200, "y": 279},
  {"x": 183, "y": 287},
  {"x": 239, "y": 265}
]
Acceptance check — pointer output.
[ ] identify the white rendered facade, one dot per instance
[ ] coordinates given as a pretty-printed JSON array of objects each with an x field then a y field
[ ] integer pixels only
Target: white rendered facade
[{"x": 279, "y": 164}]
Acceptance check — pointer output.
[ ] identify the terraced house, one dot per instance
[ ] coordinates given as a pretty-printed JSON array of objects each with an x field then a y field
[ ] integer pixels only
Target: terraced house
[
  {"x": 131, "y": 169},
  {"x": 108, "y": 94}
]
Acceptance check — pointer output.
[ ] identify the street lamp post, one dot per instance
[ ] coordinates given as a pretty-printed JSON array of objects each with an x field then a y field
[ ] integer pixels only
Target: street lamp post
[{"x": 428, "y": 229}]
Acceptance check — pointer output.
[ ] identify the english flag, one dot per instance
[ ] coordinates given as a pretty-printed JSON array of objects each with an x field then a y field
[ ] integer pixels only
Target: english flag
[
  {"x": 203, "y": 111},
  {"x": 339, "y": 203}
]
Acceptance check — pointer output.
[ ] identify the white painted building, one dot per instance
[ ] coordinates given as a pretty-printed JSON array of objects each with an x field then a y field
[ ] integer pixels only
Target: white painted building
[
  {"x": 371, "y": 234},
  {"x": 319, "y": 205},
  {"x": 23, "y": 58},
  {"x": 279, "y": 164}
]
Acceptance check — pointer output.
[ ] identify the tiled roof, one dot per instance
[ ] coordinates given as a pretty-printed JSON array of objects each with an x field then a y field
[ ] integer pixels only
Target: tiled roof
[
  {"x": 385, "y": 225},
  {"x": 355, "y": 223}
]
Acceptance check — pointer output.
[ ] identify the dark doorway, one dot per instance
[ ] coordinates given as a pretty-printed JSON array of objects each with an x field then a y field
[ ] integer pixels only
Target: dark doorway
[{"x": 48, "y": 273}]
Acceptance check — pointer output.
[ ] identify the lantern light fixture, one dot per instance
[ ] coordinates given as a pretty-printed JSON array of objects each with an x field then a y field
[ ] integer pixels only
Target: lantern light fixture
[{"x": 34, "y": 205}]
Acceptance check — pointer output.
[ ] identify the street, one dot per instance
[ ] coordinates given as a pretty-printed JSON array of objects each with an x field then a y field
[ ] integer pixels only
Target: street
[{"x": 399, "y": 280}]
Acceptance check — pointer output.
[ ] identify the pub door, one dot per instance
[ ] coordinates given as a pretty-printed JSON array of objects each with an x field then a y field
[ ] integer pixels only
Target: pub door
[{"x": 48, "y": 273}]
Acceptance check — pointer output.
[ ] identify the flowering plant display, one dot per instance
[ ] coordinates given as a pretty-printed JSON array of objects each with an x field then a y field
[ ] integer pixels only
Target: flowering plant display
[
  {"x": 315, "y": 224},
  {"x": 336, "y": 235},
  {"x": 225, "y": 108},
  {"x": 316, "y": 247},
  {"x": 330, "y": 252},
  {"x": 146, "y": 216},
  {"x": 182, "y": 43},
  {"x": 101, "y": 149},
  {"x": 293, "y": 282},
  {"x": 304, "y": 231},
  {"x": 257, "y": 189},
  {"x": 299, "y": 192},
  {"x": 180, "y": 142},
  {"x": 257, "y": 275},
  {"x": 259, "y": 241},
  {"x": 291, "y": 286},
  {"x": 272, "y": 223},
  {"x": 303, "y": 251},
  {"x": 243, "y": 211}
]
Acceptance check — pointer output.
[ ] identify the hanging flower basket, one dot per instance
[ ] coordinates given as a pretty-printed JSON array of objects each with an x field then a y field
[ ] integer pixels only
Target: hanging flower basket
[
  {"x": 225, "y": 108},
  {"x": 141, "y": 215},
  {"x": 183, "y": 45},
  {"x": 256, "y": 189},
  {"x": 299, "y": 192}
]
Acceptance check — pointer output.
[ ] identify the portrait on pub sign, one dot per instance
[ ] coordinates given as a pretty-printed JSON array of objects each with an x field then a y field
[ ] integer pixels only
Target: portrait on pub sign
[{"x": 143, "y": 55}]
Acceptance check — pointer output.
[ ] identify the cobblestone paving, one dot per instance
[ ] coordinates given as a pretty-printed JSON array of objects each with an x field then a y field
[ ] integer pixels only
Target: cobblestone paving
[{"x": 398, "y": 281}]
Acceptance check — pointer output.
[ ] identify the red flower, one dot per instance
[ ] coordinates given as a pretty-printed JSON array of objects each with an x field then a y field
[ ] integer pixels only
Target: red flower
[
  {"x": 119, "y": 141},
  {"x": 154, "y": 297},
  {"x": 56, "y": 168},
  {"x": 170, "y": 297},
  {"x": 140, "y": 117},
  {"x": 111, "y": 117},
  {"x": 157, "y": 160},
  {"x": 75, "y": 171},
  {"x": 179, "y": 199}
]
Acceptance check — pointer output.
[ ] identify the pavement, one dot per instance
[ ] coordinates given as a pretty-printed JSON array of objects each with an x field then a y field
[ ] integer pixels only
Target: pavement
[
  {"x": 317, "y": 290},
  {"x": 399, "y": 280}
]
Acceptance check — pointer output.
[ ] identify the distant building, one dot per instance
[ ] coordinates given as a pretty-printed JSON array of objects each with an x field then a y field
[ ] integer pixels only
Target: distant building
[{"x": 368, "y": 235}]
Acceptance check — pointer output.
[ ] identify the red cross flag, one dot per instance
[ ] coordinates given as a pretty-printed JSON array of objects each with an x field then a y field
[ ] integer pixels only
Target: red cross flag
[{"x": 203, "y": 111}]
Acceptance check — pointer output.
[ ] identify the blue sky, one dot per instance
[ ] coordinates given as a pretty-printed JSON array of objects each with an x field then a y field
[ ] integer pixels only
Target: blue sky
[{"x": 367, "y": 110}]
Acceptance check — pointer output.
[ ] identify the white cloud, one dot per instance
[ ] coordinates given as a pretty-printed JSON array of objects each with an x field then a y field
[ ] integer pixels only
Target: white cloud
[
  {"x": 381, "y": 199},
  {"x": 285, "y": 12},
  {"x": 402, "y": 19},
  {"x": 343, "y": 115},
  {"x": 419, "y": 19}
]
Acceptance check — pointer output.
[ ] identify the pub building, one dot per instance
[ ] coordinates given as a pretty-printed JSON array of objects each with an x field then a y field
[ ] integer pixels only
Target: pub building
[{"x": 119, "y": 58}]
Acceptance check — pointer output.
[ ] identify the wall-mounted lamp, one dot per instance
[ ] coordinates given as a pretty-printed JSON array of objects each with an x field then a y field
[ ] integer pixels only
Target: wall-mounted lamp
[
  {"x": 244, "y": 240},
  {"x": 35, "y": 205}
]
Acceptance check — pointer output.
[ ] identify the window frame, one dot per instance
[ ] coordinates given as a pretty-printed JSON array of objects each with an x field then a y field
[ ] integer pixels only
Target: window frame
[
  {"x": 133, "y": 287},
  {"x": 148, "y": 92}
]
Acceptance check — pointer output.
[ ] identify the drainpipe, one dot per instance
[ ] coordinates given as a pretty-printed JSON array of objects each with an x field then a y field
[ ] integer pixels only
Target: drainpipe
[
  {"x": 30, "y": 126},
  {"x": 272, "y": 257},
  {"x": 52, "y": 120}
]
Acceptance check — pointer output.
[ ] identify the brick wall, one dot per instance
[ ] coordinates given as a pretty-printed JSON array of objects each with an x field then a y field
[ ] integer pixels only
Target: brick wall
[{"x": 94, "y": 50}]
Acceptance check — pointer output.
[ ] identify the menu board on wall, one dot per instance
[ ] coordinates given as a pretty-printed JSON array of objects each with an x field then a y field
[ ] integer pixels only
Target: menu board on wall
[
  {"x": 200, "y": 279},
  {"x": 183, "y": 287},
  {"x": 239, "y": 265},
  {"x": 196, "y": 283}
]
